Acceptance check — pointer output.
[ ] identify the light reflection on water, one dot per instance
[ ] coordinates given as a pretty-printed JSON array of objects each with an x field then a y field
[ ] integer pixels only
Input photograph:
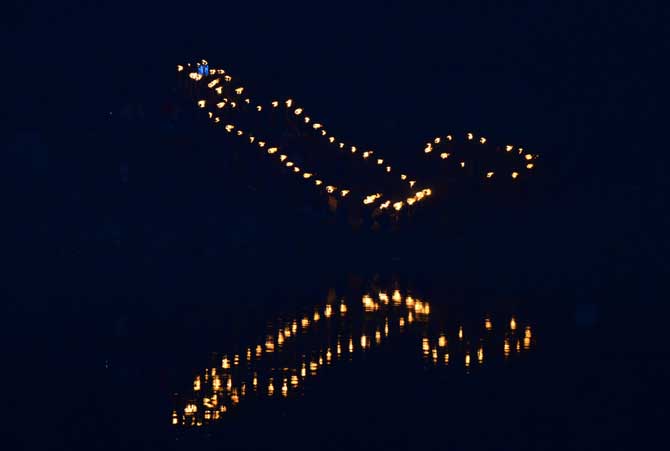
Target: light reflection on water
[{"x": 295, "y": 350}]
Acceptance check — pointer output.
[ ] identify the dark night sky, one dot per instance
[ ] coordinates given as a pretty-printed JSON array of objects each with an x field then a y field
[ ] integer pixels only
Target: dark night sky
[{"x": 574, "y": 81}]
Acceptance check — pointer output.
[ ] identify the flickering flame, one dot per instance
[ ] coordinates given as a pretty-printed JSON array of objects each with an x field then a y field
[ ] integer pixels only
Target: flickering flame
[
  {"x": 528, "y": 156},
  {"x": 201, "y": 103},
  {"x": 444, "y": 155},
  {"x": 272, "y": 150},
  {"x": 289, "y": 103},
  {"x": 515, "y": 174},
  {"x": 306, "y": 175},
  {"x": 482, "y": 140},
  {"x": 437, "y": 140},
  {"x": 330, "y": 189},
  {"x": 489, "y": 174},
  {"x": 508, "y": 148},
  {"x": 470, "y": 136},
  {"x": 344, "y": 192},
  {"x": 529, "y": 166},
  {"x": 180, "y": 68},
  {"x": 316, "y": 126},
  {"x": 298, "y": 111}
]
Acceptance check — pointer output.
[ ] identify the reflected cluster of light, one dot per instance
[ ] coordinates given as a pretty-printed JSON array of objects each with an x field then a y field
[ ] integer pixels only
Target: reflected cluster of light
[{"x": 296, "y": 349}]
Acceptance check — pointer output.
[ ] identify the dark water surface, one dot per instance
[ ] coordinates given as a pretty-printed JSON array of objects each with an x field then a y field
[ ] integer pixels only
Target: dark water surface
[{"x": 354, "y": 362}]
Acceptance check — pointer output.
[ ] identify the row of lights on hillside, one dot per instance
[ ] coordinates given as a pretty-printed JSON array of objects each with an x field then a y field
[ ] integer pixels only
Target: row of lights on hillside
[
  {"x": 216, "y": 84},
  {"x": 438, "y": 140}
]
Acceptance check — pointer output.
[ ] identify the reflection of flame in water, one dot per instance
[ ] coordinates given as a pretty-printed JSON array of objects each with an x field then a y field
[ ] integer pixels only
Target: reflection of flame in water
[{"x": 283, "y": 363}]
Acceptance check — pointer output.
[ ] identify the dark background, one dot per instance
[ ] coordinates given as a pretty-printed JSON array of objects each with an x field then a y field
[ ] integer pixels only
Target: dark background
[{"x": 112, "y": 204}]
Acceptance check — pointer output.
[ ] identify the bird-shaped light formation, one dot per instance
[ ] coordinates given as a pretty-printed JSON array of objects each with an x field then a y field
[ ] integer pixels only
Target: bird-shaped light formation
[
  {"x": 228, "y": 97},
  {"x": 296, "y": 348}
]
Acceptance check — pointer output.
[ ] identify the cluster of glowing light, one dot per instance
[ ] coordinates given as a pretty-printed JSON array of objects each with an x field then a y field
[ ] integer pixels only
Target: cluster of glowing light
[{"x": 297, "y": 111}]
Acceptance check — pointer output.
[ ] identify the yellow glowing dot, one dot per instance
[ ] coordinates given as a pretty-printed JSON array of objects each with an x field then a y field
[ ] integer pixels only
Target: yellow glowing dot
[
  {"x": 444, "y": 155},
  {"x": 515, "y": 174},
  {"x": 462, "y": 164},
  {"x": 388, "y": 168},
  {"x": 528, "y": 156},
  {"x": 201, "y": 103},
  {"x": 180, "y": 68},
  {"x": 341, "y": 145},
  {"x": 259, "y": 108},
  {"x": 275, "y": 104},
  {"x": 229, "y": 128},
  {"x": 239, "y": 90},
  {"x": 529, "y": 166},
  {"x": 297, "y": 111},
  {"x": 411, "y": 183},
  {"x": 331, "y": 139},
  {"x": 307, "y": 175},
  {"x": 282, "y": 157},
  {"x": 316, "y": 126},
  {"x": 512, "y": 323},
  {"x": 272, "y": 150},
  {"x": 397, "y": 206},
  {"x": 344, "y": 192},
  {"x": 489, "y": 174},
  {"x": 330, "y": 189},
  {"x": 437, "y": 140},
  {"x": 403, "y": 177},
  {"x": 380, "y": 161},
  {"x": 317, "y": 182},
  {"x": 482, "y": 140},
  {"x": 261, "y": 143},
  {"x": 289, "y": 102}
]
